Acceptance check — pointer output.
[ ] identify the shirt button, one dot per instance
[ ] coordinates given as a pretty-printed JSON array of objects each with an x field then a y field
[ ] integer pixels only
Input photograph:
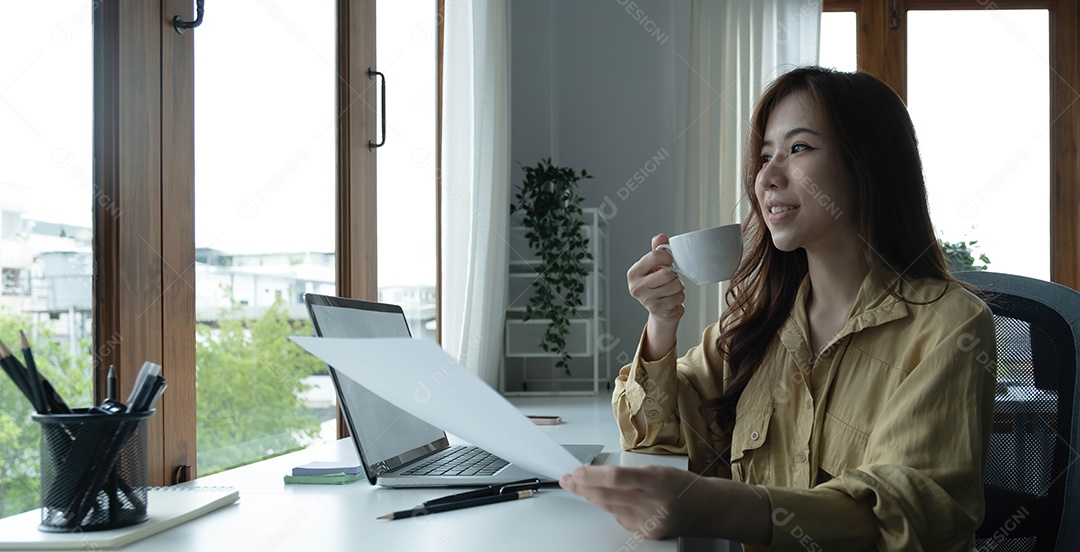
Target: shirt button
[
  {"x": 649, "y": 400},
  {"x": 809, "y": 405},
  {"x": 801, "y": 457},
  {"x": 754, "y": 435},
  {"x": 653, "y": 413}
]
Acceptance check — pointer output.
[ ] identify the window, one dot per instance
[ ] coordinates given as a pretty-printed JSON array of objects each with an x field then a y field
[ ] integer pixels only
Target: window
[
  {"x": 979, "y": 95},
  {"x": 264, "y": 226},
  {"x": 838, "y": 41},
  {"x": 988, "y": 71},
  {"x": 46, "y": 202},
  {"x": 407, "y": 55},
  {"x": 12, "y": 283},
  {"x": 143, "y": 239}
]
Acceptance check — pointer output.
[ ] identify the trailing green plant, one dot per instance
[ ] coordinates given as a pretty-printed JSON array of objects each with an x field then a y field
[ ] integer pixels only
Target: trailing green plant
[
  {"x": 553, "y": 225},
  {"x": 961, "y": 256}
]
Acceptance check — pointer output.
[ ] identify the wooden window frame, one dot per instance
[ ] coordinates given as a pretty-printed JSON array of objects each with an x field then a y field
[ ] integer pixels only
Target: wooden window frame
[
  {"x": 144, "y": 190},
  {"x": 357, "y": 253},
  {"x": 440, "y": 54},
  {"x": 882, "y": 51}
]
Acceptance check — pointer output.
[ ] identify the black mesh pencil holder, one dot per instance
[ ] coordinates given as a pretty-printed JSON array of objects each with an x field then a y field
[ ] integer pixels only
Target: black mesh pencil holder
[{"x": 93, "y": 470}]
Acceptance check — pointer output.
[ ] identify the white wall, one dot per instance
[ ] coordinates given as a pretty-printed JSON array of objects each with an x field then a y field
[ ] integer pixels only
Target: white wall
[{"x": 598, "y": 87}]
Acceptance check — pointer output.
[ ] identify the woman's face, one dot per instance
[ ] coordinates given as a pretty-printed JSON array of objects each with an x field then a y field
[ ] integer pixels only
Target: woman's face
[{"x": 803, "y": 189}]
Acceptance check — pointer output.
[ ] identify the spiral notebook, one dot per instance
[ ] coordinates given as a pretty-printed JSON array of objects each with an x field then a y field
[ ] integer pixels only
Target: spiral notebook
[{"x": 168, "y": 507}]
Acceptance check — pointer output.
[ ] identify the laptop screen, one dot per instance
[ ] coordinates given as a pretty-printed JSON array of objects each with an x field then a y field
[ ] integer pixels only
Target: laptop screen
[{"x": 386, "y": 435}]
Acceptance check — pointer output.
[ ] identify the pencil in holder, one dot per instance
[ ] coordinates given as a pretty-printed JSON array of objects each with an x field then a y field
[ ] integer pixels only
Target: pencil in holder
[{"x": 93, "y": 470}]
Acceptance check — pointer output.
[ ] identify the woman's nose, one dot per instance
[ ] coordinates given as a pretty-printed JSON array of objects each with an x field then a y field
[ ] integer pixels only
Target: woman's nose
[{"x": 773, "y": 174}]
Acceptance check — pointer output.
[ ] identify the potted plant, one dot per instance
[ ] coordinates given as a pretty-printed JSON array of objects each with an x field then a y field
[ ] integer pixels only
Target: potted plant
[
  {"x": 553, "y": 226},
  {"x": 961, "y": 256}
]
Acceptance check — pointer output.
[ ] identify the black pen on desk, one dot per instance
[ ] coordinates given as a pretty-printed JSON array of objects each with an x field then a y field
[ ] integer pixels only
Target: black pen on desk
[
  {"x": 532, "y": 483},
  {"x": 425, "y": 510},
  {"x": 32, "y": 373}
]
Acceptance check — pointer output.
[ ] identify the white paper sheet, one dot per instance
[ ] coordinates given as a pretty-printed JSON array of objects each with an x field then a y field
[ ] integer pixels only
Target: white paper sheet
[{"x": 419, "y": 377}]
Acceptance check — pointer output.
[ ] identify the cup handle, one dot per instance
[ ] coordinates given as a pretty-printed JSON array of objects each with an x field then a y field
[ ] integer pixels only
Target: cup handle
[{"x": 673, "y": 267}]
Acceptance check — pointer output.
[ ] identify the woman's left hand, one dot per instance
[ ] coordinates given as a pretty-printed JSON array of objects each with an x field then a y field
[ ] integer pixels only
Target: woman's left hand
[
  {"x": 659, "y": 502},
  {"x": 654, "y": 501}
]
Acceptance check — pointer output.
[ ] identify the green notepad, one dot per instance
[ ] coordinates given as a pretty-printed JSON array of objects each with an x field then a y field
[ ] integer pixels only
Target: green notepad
[{"x": 328, "y": 479}]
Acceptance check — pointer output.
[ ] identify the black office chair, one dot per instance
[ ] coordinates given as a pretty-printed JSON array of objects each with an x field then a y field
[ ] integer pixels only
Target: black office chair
[{"x": 1033, "y": 477}]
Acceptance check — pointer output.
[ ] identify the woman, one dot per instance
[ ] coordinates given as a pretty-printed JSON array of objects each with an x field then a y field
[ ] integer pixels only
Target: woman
[{"x": 838, "y": 401}]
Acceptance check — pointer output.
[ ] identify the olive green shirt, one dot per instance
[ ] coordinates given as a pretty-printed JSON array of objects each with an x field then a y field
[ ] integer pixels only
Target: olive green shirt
[{"x": 880, "y": 443}]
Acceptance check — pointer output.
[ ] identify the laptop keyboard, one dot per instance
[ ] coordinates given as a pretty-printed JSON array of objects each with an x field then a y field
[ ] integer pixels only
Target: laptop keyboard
[{"x": 460, "y": 461}]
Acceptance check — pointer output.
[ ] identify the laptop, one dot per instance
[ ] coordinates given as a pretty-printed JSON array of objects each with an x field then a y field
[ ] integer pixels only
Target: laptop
[{"x": 396, "y": 448}]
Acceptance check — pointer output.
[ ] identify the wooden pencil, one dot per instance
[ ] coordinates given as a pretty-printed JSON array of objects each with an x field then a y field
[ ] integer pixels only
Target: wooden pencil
[
  {"x": 17, "y": 373},
  {"x": 32, "y": 375}
]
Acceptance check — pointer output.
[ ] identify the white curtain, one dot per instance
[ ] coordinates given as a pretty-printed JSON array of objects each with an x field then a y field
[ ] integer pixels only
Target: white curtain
[
  {"x": 475, "y": 183},
  {"x": 736, "y": 48}
]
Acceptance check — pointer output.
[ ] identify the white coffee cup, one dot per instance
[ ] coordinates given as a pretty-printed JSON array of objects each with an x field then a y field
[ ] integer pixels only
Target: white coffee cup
[{"x": 706, "y": 256}]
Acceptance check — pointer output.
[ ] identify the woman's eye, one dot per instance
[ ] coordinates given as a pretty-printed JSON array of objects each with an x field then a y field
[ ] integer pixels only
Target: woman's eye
[
  {"x": 765, "y": 159},
  {"x": 799, "y": 147}
]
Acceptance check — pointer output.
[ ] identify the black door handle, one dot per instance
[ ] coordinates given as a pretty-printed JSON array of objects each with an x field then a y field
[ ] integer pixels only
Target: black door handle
[{"x": 371, "y": 73}]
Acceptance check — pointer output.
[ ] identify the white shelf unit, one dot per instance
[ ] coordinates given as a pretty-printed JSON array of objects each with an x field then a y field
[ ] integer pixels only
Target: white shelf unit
[{"x": 527, "y": 369}]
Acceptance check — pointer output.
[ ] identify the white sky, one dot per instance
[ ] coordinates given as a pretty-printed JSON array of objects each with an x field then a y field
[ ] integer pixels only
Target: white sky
[
  {"x": 265, "y": 126},
  {"x": 46, "y": 94},
  {"x": 265, "y": 123}
]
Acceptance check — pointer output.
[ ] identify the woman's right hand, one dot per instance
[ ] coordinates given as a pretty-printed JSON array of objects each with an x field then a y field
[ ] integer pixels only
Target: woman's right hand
[{"x": 661, "y": 292}]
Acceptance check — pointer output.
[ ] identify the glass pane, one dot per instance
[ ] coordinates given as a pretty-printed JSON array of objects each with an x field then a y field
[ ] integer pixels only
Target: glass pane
[
  {"x": 979, "y": 94},
  {"x": 46, "y": 200},
  {"x": 406, "y": 50},
  {"x": 264, "y": 225},
  {"x": 838, "y": 41}
]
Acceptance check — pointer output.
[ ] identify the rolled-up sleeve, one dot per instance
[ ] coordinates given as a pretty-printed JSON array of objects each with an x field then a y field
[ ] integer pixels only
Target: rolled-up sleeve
[
  {"x": 920, "y": 484},
  {"x": 669, "y": 392}
]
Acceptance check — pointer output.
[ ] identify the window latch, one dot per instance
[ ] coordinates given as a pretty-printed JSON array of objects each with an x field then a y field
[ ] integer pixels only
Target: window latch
[
  {"x": 180, "y": 25},
  {"x": 181, "y": 475}
]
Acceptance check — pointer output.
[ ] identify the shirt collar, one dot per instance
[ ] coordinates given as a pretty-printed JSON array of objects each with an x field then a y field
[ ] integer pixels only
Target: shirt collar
[{"x": 874, "y": 306}]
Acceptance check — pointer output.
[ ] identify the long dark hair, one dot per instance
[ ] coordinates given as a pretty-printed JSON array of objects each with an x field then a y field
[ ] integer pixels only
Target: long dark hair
[{"x": 881, "y": 154}]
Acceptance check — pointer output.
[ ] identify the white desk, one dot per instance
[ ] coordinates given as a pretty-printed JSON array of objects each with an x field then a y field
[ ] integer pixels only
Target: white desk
[{"x": 272, "y": 516}]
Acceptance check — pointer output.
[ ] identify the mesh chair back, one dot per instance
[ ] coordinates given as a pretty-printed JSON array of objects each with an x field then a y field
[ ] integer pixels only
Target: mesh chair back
[{"x": 1030, "y": 469}]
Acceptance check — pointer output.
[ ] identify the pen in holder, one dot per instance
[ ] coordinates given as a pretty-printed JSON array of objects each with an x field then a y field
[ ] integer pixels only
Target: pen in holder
[{"x": 93, "y": 469}]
